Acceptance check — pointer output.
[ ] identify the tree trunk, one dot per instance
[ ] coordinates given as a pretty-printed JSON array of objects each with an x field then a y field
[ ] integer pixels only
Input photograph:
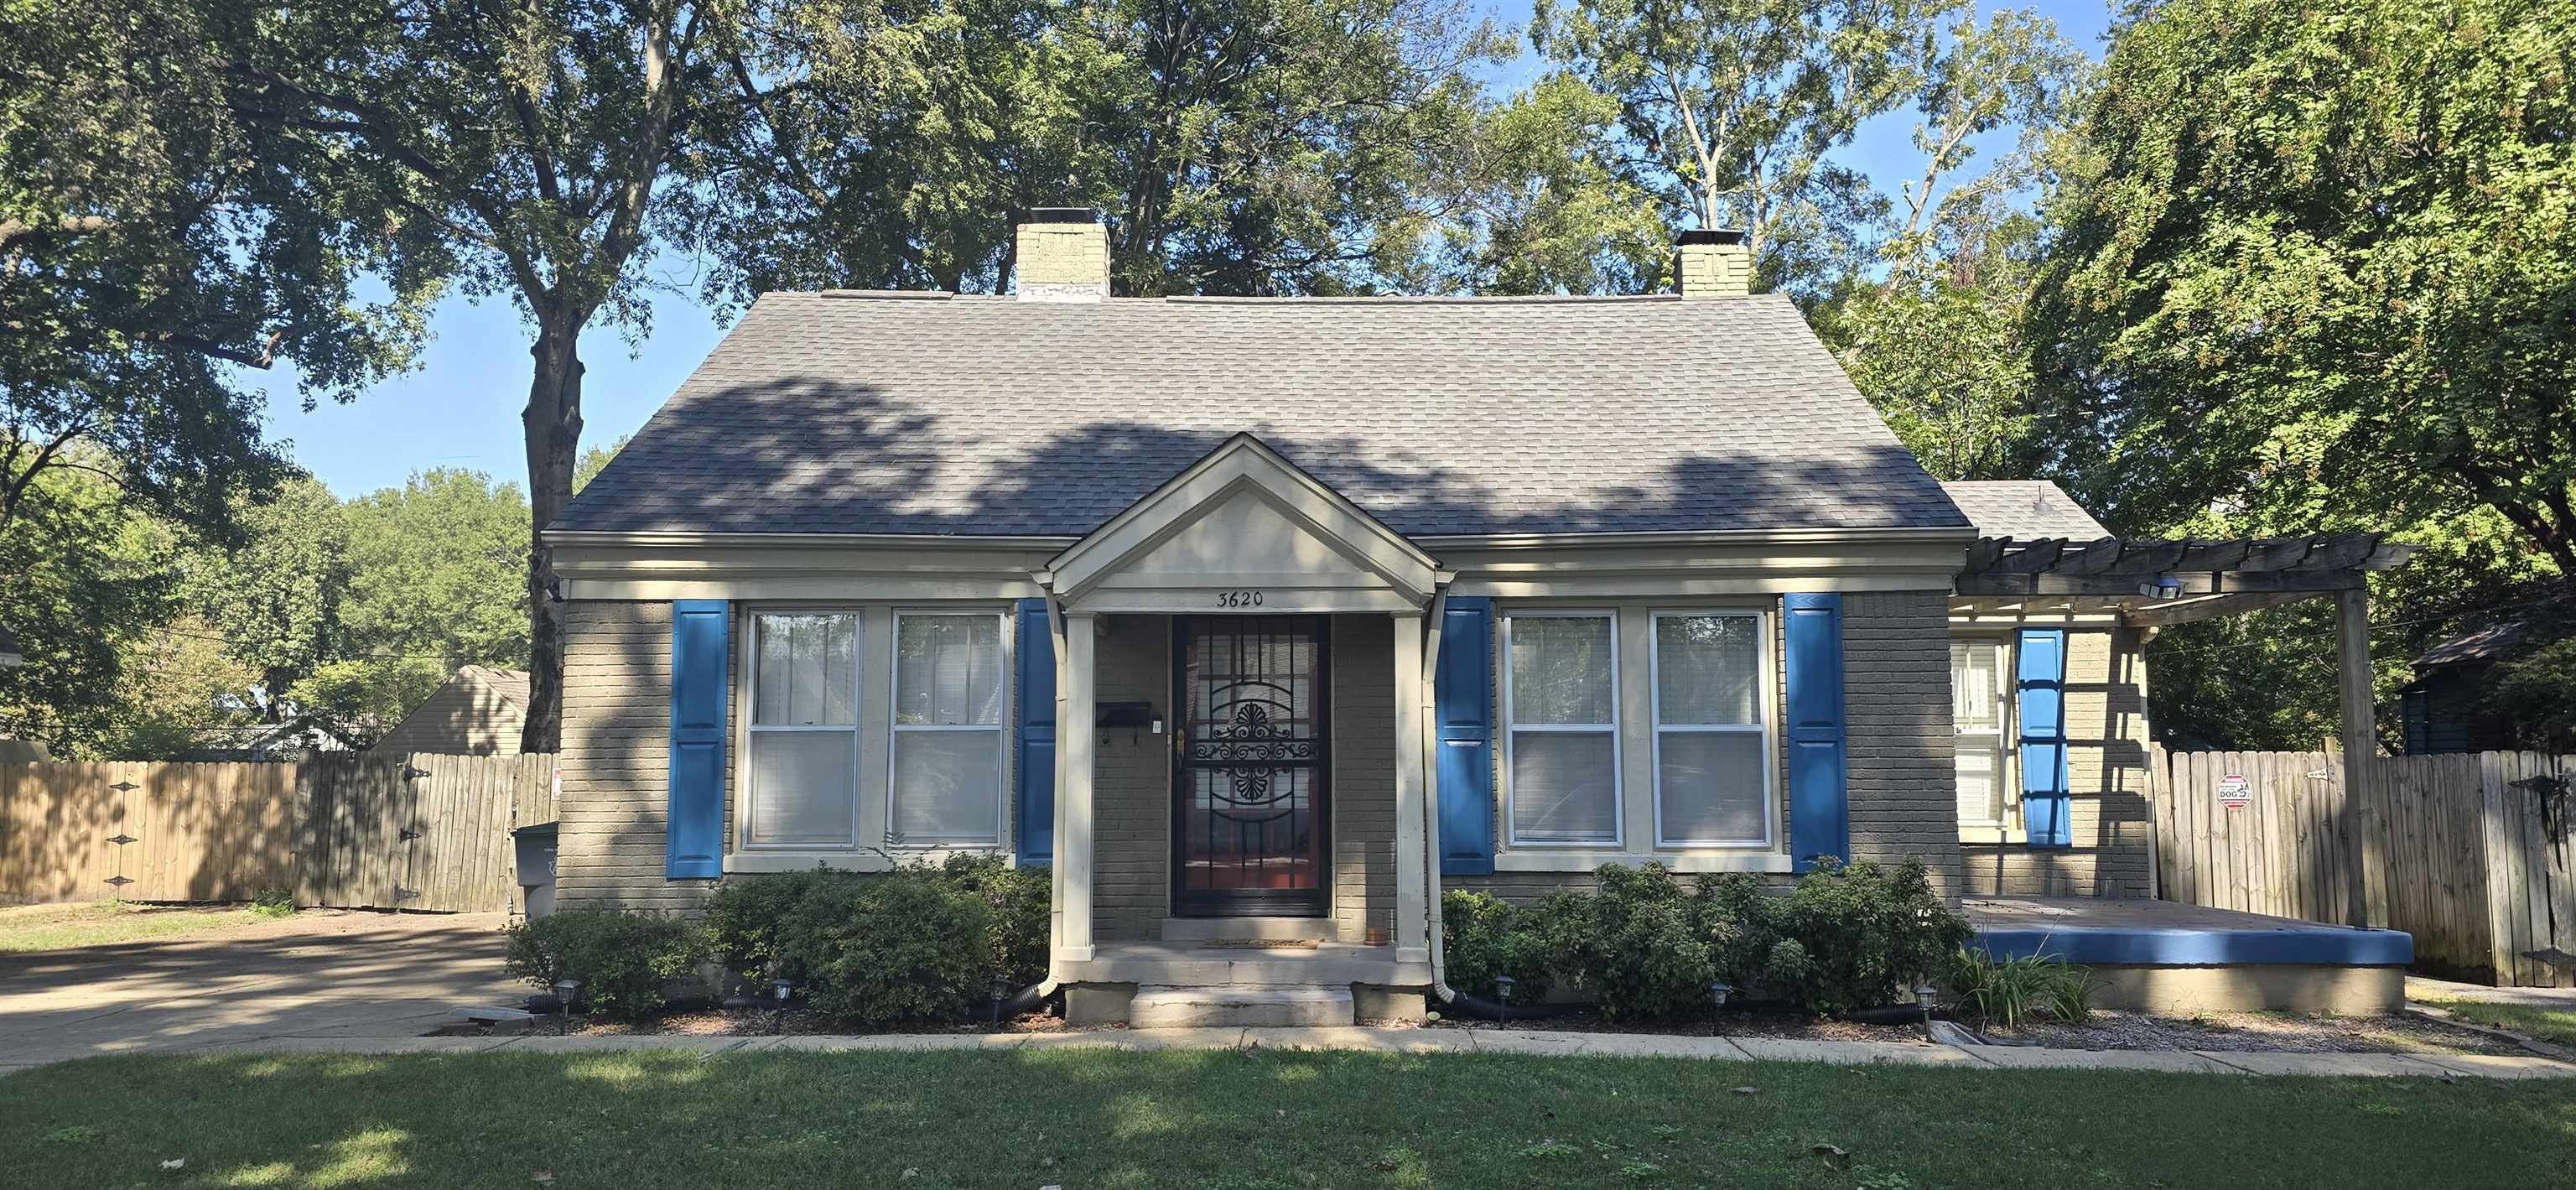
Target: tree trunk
[{"x": 553, "y": 424}]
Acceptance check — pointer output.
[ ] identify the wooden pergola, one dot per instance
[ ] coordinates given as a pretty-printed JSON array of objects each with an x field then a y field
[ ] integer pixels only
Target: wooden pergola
[{"x": 2154, "y": 584}]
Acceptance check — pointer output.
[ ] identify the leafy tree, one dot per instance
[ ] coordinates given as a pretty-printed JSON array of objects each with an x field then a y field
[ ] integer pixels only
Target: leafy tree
[
  {"x": 1545, "y": 206},
  {"x": 1937, "y": 345},
  {"x": 86, "y": 576},
  {"x": 434, "y": 573},
  {"x": 527, "y": 147},
  {"x": 274, "y": 598},
  {"x": 1946, "y": 366},
  {"x": 2309, "y": 270},
  {"x": 1730, "y": 107},
  {"x": 1239, "y": 147},
  {"x": 2317, "y": 257},
  {"x": 153, "y": 246}
]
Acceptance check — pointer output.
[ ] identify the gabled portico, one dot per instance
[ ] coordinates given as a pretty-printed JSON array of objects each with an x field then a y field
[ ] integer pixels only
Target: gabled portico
[{"x": 1243, "y": 561}]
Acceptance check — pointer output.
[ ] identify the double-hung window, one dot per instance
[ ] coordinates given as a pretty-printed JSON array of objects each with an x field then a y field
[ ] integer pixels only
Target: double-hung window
[
  {"x": 947, "y": 765},
  {"x": 1561, "y": 692},
  {"x": 802, "y": 775},
  {"x": 1979, "y": 705},
  {"x": 1712, "y": 765}
]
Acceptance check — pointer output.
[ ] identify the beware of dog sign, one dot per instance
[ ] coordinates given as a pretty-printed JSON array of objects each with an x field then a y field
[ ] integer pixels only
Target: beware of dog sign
[{"x": 2233, "y": 791}]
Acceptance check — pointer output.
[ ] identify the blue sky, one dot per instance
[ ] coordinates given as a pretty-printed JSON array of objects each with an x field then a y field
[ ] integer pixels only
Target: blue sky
[{"x": 460, "y": 407}]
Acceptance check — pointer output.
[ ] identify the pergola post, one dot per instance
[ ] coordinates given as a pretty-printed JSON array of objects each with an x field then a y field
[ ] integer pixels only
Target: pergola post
[{"x": 2360, "y": 743}]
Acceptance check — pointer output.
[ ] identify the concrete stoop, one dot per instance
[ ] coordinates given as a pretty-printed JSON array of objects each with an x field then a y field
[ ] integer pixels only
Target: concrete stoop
[{"x": 1170, "y": 1007}]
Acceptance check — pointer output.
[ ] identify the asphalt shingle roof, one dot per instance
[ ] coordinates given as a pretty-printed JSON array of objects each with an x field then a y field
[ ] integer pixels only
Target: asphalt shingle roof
[
  {"x": 834, "y": 413},
  {"x": 2023, "y": 508}
]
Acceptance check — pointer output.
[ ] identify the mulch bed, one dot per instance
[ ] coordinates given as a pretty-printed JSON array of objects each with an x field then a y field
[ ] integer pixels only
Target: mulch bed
[
  {"x": 2238, "y": 1031},
  {"x": 2105, "y": 1030}
]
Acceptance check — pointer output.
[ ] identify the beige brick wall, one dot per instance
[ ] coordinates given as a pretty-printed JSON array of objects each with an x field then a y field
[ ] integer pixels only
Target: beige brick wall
[
  {"x": 1896, "y": 724},
  {"x": 2106, "y": 727},
  {"x": 1363, "y": 793},
  {"x": 616, "y": 760},
  {"x": 1131, "y": 785}
]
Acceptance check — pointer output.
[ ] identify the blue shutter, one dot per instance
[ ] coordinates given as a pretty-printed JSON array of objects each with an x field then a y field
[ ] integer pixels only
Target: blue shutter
[
  {"x": 2039, "y": 697},
  {"x": 695, "y": 833},
  {"x": 1034, "y": 761},
  {"x": 1462, "y": 701},
  {"x": 1819, "y": 797}
]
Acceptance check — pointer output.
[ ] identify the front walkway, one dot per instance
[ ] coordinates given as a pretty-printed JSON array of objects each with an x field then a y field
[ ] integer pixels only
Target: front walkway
[{"x": 1491, "y": 1041}]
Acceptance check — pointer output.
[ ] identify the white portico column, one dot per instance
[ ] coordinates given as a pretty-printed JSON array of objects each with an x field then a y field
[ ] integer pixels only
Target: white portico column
[
  {"x": 1412, "y": 944},
  {"x": 1074, "y": 736}
]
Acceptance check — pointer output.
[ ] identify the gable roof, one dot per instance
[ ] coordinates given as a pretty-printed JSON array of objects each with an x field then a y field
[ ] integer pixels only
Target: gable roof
[
  {"x": 510, "y": 684},
  {"x": 2025, "y": 508},
  {"x": 927, "y": 414}
]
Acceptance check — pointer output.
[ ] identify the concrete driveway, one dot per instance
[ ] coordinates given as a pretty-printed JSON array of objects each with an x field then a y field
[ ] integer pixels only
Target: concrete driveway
[{"x": 317, "y": 974}]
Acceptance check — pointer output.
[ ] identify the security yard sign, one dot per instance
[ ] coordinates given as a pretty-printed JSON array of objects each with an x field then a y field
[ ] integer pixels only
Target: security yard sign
[{"x": 2233, "y": 791}]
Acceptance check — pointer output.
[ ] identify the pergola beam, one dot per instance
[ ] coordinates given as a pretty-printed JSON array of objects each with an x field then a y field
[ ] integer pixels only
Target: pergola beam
[
  {"x": 2208, "y": 607},
  {"x": 2199, "y": 583}
]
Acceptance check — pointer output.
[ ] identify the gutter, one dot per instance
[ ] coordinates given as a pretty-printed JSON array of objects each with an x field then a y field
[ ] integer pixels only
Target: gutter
[{"x": 1962, "y": 535}]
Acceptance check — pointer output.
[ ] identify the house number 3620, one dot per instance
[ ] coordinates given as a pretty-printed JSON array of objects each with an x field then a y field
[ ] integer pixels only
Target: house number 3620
[{"x": 1238, "y": 599}]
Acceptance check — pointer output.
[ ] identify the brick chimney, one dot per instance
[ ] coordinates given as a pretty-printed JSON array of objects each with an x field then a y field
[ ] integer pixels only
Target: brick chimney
[
  {"x": 1063, "y": 256},
  {"x": 1715, "y": 263}
]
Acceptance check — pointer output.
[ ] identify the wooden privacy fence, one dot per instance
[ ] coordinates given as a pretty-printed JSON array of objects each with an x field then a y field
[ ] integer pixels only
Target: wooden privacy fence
[
  {"x": 354, "y": 831},
  {"x": 2470, "y": 853}
]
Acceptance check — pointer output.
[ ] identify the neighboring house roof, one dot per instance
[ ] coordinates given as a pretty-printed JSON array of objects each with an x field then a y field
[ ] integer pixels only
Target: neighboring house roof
[
  {"x": 480, "y": 711},
  {"x": 9, "y": 654},
  {"x": 2484, "y": 644},
  {"x": 264, "y": 741},
  {"x": 510, "y": 684},
  {"x": 925, "y": 414},
  {"x": 2024, "y": 508}
]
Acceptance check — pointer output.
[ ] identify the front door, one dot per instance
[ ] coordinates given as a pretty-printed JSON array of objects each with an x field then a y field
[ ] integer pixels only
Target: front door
[{"x": 1249, "y": 770}]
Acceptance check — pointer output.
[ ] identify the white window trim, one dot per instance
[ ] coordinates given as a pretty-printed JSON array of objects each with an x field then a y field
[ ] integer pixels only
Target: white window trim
[
  {"x": 1766, "y": 679},
  {"x": 1511, "y": 728},
  {"x": 1004, "y": 669},
  {"x": 746, "y": 819},
  {"x": 2009, "y": 828}
]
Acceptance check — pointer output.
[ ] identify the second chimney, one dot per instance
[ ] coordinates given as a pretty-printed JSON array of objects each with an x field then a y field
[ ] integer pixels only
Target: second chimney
[
  {"x": 1715, "y": 263},
  {"x": 1063, "y": 256}
]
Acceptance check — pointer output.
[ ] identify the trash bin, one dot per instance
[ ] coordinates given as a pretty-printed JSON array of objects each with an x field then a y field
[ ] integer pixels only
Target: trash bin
[{"x": 536, "y": 846}]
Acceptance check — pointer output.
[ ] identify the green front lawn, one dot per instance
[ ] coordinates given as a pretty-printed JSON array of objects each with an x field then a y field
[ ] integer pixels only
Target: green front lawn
[
  {"x": 1088, "y": 1119},
  {"x": 53, "y": 927},
  {"x": 2547, "y": 1024}
]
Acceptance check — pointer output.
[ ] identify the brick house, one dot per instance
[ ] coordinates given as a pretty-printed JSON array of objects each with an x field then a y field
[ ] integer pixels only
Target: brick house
[{"x": 1272, "y": 618}]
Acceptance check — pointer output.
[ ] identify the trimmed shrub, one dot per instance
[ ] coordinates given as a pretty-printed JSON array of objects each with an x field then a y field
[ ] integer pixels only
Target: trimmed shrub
[
  {"x": 1652, "y": 949},
  {"x": 905, "y": 946},
  {"x": 914, "y": 944},
  {"x": 746, "y": 917},
  {"x": 1865, "y": 931},
  {"x": 621, "y": 958},
  {"x": 1021, "y": 900},
  {"x": 1646, "y": 945},
  {"x": 1482, "y": 936}
]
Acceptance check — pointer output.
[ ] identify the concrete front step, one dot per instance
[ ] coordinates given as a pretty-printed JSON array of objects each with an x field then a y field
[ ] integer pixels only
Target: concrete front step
[
  {"x": 1166, "y": 1007},
  {"x": 1267, "y": 929}
]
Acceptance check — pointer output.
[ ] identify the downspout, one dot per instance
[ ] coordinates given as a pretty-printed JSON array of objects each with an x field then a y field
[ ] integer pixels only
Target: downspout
[{"x": 1431, "y": 790}]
